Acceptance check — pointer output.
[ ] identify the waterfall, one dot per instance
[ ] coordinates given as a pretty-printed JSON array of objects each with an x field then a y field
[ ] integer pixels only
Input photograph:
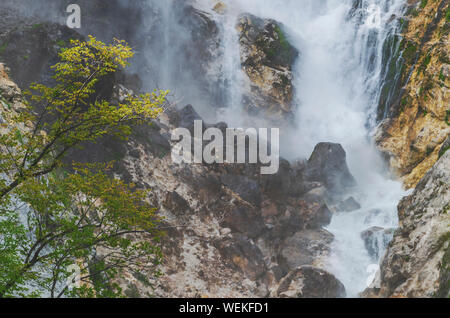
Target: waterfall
[{"x": 338, "y": 81}]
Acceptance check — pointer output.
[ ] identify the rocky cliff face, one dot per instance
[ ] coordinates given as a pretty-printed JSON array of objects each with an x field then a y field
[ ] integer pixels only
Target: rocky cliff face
[
  {"x": 234, "y": 233},
  {"x": 267, "y": 59},
  {"x": 10, "y": 98},
  {"x": 231, "y": 231},
  {"x": 415, "y": 101},
  {"x": 417, "y": 262}
]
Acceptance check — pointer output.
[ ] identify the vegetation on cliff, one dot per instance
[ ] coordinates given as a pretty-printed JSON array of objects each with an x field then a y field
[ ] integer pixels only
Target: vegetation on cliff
[
  {"x": 415, "y": 101},
  {"x": 53, "y": 215}
]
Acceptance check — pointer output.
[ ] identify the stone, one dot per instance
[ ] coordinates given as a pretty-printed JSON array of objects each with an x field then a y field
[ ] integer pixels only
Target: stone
[
  {"x": 243, "y": 254},
  {"x": 269, "y": 209},
  {"x": 176, "y": 203},
  {"x": 244, "y": 220},
  {"x": 267, "y": 59},
  {"x": 376, "y": 240},
  {"x": 318, "y": 216},
  {"x": 310, "y": 282},
  {"x": 348, "y": 205},
  {"x": 186, "y": 118},
  {"x": 306, "y": 247},
  {"x": 328, "y": 165},
  {"x": 416, "y": 261},
  {"x": 445, "y": 146},
  {"x": 247, "y": 188},
  {"x": 413, "y": 106}
]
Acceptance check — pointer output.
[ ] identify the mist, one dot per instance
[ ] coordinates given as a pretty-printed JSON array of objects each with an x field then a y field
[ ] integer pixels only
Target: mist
[{"x": 337, "y": 80}]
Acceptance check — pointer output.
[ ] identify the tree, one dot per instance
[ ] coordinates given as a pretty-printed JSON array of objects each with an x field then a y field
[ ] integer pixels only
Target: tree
[
  {"x": 84, "y": 218},
  {"x": 68, "y": 113},
  {"x": 54, "y": 216}
]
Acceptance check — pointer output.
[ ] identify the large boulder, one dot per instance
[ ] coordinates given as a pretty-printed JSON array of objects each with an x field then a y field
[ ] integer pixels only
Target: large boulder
[
  {"x": 306, "y": 247},
  {"x": 244, "y": 220},
  {"x": 244, "y": 255},
  {"x": 310, "y": 282},
  {"x": 267, "y": 59},
  {"x": 247, "y": 188},
  {"x": 328, "y": 165}
]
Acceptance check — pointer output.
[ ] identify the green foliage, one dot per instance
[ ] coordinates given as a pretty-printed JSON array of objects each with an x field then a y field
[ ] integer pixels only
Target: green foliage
[
  {"x": 410, "y": 52},
  {"x": 84, "y": 218},
  {"x": 3, "y": 47},
  {"x": 71, "y": 112},
  {"x": 37, "y": 26},
  {"x": 423, "y": 4},
  {"x": 53, "y": 216},
  {"x": 441, "y": 75},
  {"x": 282, "y": 38},
  {"x": 425, "y": 63}
]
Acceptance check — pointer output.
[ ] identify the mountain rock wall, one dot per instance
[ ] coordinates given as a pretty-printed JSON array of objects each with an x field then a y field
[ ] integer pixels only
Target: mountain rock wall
[
  {"x": 415, "y": 119},
  {"x": 417, "y": 262}
]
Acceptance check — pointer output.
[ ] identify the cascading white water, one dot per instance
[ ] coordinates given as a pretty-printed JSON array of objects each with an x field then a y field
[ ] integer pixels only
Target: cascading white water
[{"x": 337, "y": 81}]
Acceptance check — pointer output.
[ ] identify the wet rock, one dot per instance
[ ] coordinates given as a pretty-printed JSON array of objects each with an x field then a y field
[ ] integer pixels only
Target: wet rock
[
  {"x": 244, "y": 220},
  {"x": 310, "y": 282},
  {"x": 269, "y": 209},
  {"x": 328, "y": 165},
  {"x": 376, "y": 216},
  {"x": 244, "y": 255},
  {"x": 199, "y": 47},
  {"x": 317, "y": 216},
  {"x": 416, "y": 261},
  {"x": 348, "y": 205},
  {"x": 376, "y": 240},
  {"x": 306, "y": 248},
  {"x": 415, "y": 105},
  {"x": 248, "y": 189},
  {"x": 185, "y": 118},
  {"x": 267, "y": 58},
  {"x": 176, "y": 203},
  {"x": 318, "y": 193},
  {"x": 445, "y": 146}
]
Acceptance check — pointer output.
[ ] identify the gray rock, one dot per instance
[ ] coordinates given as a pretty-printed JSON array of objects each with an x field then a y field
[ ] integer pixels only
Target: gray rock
[
  {"x": 30, "y": 49},
  {"x": 176, "y": 203},
  {"x": 267, "y": 58},
  {"x": 305, "y": 247},
  {"x": 320, "y": 216},
  {"x": 247, "y": 188},
  {"x": 243, "y": 254},
  {"x": 328, "y": 165},
  {"x": 348, "y": 205},
  {"x": 310, "y": 282},
  {"x": 445, "y": 146},
  {"x": 244, "y": 220},
  {"x": 416, "y": 262},
  {"x": 376, "y": 239}
]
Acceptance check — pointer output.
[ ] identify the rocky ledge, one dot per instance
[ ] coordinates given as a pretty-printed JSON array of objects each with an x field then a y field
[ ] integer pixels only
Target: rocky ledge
[
  {"x": 267, "y": 59},
  {"x": 231, "y": 231}
]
